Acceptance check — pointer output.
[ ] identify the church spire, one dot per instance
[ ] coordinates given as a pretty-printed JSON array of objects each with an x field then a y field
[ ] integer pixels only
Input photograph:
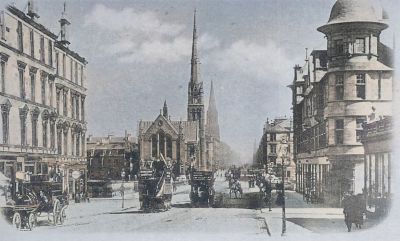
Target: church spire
[
  {"x": 212, "y": 116},
  {"x": 194, "y": 61},
  {"x": 211, "y": 102}
]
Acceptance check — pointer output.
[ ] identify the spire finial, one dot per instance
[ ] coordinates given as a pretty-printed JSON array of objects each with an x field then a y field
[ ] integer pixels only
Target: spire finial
[
  {"x": 63, "y": 24},
  {"x": 165, "y": 109},
  {"x": 194, "y": 62}
]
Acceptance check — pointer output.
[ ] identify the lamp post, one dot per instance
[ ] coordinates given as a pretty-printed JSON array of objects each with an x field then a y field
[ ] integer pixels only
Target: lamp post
[
  {"x": 122, "y": 187},
  {"x": 284, "y": 156}
]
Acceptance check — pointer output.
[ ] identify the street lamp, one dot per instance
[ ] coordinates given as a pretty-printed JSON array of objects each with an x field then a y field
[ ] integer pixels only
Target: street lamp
[
  {"x": 284, "y": 157},
  {"x": 122, "y": 187}
]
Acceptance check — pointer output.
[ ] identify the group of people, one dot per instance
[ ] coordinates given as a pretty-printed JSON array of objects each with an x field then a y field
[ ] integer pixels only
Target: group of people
[{"x": 353, "y": 210}]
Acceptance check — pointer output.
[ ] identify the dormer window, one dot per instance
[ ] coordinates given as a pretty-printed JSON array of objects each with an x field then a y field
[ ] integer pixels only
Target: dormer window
[{"x": 359, "y": 47}]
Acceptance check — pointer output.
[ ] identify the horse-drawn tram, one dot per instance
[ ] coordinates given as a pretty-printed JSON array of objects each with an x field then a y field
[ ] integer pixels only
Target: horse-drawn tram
[
  {"x": 202, "y": 188},
  {"x": 34, "y": 198},
  {"x": 155, "y": 187}
]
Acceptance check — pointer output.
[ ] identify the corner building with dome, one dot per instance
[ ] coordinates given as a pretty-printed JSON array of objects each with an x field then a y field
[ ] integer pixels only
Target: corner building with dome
[{"x": 335, "y": 92}]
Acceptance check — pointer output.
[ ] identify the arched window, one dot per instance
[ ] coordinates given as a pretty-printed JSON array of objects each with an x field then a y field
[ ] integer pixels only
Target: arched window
[
  {"x": 169, "y": 146},
  {"x": 162, "y": 142},
  {"x": 154, "y": 145}
]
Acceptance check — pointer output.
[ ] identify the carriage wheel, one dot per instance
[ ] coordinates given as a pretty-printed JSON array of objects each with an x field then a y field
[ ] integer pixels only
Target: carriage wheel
[
  {"x": 56, "y": 211},
  {"x": 17, "y": 220},
  {"x": 63, "y": 216},
  {"x": 32, "y": 220}
]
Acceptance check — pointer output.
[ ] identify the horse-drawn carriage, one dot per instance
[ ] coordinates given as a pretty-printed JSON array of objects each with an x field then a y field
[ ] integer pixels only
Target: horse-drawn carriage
[
  {"x": 34, "y": 199},
  {"x": 202, "y": 187},
  {"x": 155, "y": 187}
]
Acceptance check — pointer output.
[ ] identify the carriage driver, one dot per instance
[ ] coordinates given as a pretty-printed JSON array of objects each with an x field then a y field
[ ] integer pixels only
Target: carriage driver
[{"x": 44, "y": 201}]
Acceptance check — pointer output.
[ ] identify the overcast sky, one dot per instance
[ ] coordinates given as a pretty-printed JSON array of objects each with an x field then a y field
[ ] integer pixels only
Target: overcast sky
[{"x": 139, "y": 55}]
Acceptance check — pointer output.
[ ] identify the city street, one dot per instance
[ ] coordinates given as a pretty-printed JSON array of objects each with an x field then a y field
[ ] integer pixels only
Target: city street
[{"x": 107, "y": 215}]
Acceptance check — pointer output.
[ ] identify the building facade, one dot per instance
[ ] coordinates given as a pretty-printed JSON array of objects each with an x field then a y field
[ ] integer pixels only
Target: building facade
[
  {"x": 109, "y": 156},
  {"x": 276, "y": 148},
  {"x": 333, "y": 93},
  {"x": 377, "y": 141},
  {"x": 42, "y": 98}
]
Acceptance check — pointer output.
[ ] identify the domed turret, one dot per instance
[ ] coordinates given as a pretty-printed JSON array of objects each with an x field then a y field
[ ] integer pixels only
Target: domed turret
[{"x": 353, "y": 11}]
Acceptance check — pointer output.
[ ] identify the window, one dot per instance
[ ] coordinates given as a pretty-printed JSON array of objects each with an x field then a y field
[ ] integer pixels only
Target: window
[
  {"x": 83, "y": 108},
  {"x": 272, "y": 137},
  {"x": 34, "y": 130},
  {"x": 82, "y": 75},
  {"x": 58, "y": 96},
  {"x": 339, "y": 131},
  {"x": 33, "y": 86},
  {"x": 2, "y": 26},
  {"x": 20, "y": 37},
  {"x": 59, "y": 139},
  {"x": 339, "y": 87},
  {"x": 360, "y": 46},
  {"x": 71, "y": 69},
  {"x": 51, "y": 84},
  {"x": 50, "y": 53},
  {"x": 73, "y": 105},
  {"x": 43, "y": 89},
  {"x": 42, "y": 57},
  {"x": 154, "y": 146},
  {"x": 3, "y": 76},
  {"x": 64, "y": 66},
  {"x": 359, "y": 127},
  {"x": 77, "y": 144},
  {"x": 57, "y": 64},
  {"x": 5, "y": 116},
  {"x": 360, "y": 86},
  {"x": 76, "y": 72},
  {"x": 21, "y": 72},
  {"x": 273, "y": 148},
  {"x": 44, "y": 123},
  {"x": 65, "y": 142},
  {"x": 32, "y": 42},
  {"x": 65, "y": 110},
  {"x": 339, "y": 47},
  {"x": 77, "y": 107},
  {"x": 23, "y": 129},
  {"x": 52, "y": 135}
]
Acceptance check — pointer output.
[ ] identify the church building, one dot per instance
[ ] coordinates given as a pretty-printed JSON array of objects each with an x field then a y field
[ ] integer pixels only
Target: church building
[{"x": 186, "y": 143}]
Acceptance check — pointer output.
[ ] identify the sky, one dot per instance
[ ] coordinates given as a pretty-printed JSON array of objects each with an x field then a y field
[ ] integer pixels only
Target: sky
[{"x": 139, "y": 55}]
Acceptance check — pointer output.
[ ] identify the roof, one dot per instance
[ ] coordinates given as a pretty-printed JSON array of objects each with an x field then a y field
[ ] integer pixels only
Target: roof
[
  {"x": 347, "y": 11},
  {"x": 189, "y": 128},
  {"x": 44, "y": 30},
  {"x": 29, "y": 20},
  {"x": 279, "y": 125},
  {"x": 351, "y": 11},
  {"x": 109, "y": 139}
]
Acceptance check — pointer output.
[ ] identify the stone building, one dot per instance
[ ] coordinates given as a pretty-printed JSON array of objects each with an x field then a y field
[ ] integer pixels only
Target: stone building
[
  {"x": 377, "y": 141},
  {"x": 42, "y": 98},
  {"x": 333, "y": 93},
  {"x": 185, "y": 143},
  {"x": 109, "y": 156},
  {"x": 276, "y": 148}
]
